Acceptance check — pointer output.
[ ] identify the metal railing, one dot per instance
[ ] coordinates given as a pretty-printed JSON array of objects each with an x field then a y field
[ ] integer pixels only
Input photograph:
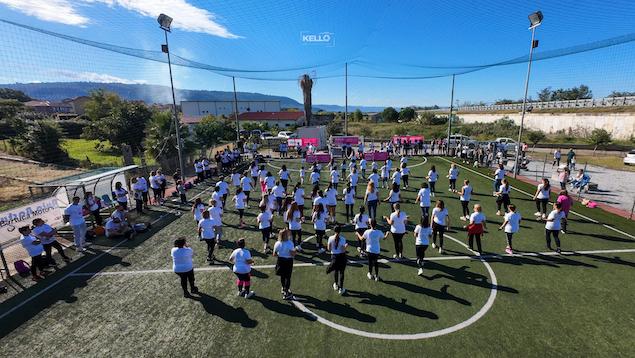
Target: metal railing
[{"x": 578, "y": 103}]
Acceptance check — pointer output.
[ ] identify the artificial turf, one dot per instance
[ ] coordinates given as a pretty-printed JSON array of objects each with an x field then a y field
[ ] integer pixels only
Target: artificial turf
[{"x": 545, "y": 305}]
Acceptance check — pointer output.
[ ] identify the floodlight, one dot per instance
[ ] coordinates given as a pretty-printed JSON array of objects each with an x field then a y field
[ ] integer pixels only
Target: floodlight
[
  {"x": 165, "y": 21},
  {"x": 535, "y": 19}
]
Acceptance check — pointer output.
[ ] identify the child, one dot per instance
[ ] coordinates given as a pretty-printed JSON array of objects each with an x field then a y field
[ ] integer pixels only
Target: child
[
  {"x": 319, "y": 224},
  {"x": 361, "y": 225},
  {"x": 397, "y": 221},
  {"x": 302, "y": 173},
  {"x": 465, "y": 196},
  {"x": 511, "y": 224},
  {"x": 264, "y": 225},
  {"x": 453, "y": 174},
  {"x": 197, "y": 209},
  {"x": 423, "y": 198},
  {"x": 240, "y": 201},
  {"x": 294, "y": 219},
  {"x": 502, "y": 197},
  {"x": 432, "y": 177},
  {"x": 241, "y": 258},
  {"x": 349, "y": 201},
  {"x": 422, "y": 240},
  {"x": 542, "y": 198},
  {"x": 440, "y": 223},
  {"x": 46, "y": 234}
]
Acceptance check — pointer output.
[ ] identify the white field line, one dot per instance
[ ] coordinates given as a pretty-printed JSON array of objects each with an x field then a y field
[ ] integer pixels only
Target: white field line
[
  {"x": 75, "y": 271},
  {"x": 531, "y": 195}
]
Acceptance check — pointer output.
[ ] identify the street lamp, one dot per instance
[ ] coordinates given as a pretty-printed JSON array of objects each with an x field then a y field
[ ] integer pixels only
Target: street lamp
[
  {"x": 535, "y": 19},
  {"x": 164, "y": 23}
]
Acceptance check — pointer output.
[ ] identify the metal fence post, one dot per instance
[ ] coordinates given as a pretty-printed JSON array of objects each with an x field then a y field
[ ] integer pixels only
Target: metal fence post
[
  {"x": 632, "y": 209},
  {"x": 544, "y": 164}
]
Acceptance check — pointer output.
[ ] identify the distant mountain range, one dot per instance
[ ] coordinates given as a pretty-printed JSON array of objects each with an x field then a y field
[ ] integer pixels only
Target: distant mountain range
[{"x": 57, "y": 91}]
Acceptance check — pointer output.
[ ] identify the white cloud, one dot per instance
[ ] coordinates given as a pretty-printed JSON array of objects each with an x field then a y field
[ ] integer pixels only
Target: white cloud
[
  {"x": 93, "y": 77},
  {"x": 61, "y": 11},
  {"x": 187, "y": 17}
]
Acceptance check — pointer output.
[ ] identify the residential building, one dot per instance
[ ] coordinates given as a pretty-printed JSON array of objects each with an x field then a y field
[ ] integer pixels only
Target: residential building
[{"x": 48, "y": 107}]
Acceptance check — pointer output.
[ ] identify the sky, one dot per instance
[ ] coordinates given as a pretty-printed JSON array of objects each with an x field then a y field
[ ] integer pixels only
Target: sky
[{"x": 398, "y": 53}]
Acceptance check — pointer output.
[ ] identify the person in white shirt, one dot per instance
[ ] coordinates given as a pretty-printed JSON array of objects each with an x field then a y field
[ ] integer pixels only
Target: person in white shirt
[
  {"x": 121, "y": 195},
  {"x": 465, "y": 195},
  {"x": 247, "y": 185},
  {"x": 422, "y": 233},
  {"x": 155, "y": 184},
  {"x": 499, "y": 175},
  {"x": 330, "y": 197},
  {"x": 374, "y": 177},
  {"x": 362, "y": 167},
  {"x": 396, "y": 176},
  {"x": 542, "y": 198},
  {"x": 293, "y": 218},
  {"x": 556, "y": 157},
  {"x": 143, "y": 183},
  {"x": 117, "y": 229},
  {"x": 262, "y": 175},
  {"x": 264, "y": 220},
  {"x": 440, "y": 223},
  {"x": 371, "y": 198},
  {"x": 397, "y": 221},
  {"x": 348, "y": 196},
  {"x": 553, "y": 224},
  {"x": 197, "y": 209},
  {"x": 223, "y": 189},
  {"x": 405, "y": 174},
  {"x": 284, "y": 176},
  {"x": 34, "y": 248},
  {"x": 46, "y": 234},
  {"x": 216, "y": 214},
  {"x": 385, "y": 173},
  {"x": 240, "y": 202},
  {"x": 74, "y": 216},
  {"x": 284, "y": 250},
  {"x": 511, "y": 225},
  {"x": 92, "y": 203},
  {"x": 502, "y": 197},
  {"x": 137, "y": 194},
  {"x": 279, "y": 194},
  {"x": 394, "y": 196},
  {"x": 423, "y": 198},
  {"x": 337, "y": 245},
  {"x": 361, "y": 221},
  {"x": 476, "y": 228},
  {"x": 198, "y": 169},
  {"x": 453, "y": 174},
  {"x": 315, "y": 177},
  {"x": 335, "y": 176},
  {"x": 206, "y": 233},
  {"x": 372, "y": 237},
  {"x": 432, "y": 177},
  {"x": 353, "y": 178},
  {"x": 242, "y": 261}
]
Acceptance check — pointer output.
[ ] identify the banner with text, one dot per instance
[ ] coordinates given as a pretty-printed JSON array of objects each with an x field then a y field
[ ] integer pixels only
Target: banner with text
[{"x": 13, "y": 219}]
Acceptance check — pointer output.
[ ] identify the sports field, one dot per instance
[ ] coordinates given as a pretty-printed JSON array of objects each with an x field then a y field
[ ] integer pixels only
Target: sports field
[{"x": 123, "y": 300}]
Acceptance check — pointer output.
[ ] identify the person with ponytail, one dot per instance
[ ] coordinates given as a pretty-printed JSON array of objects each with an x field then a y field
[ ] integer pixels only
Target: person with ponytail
[
  {"x": 294, "y": 220},
  {"x": 337, "y": 246},
  {"x": 372, "y": 238},
  {"x": 440, "y": 223},
  {"x": 397, "y": 221},
  {"x": 319, "y": 224},
  {"x": 284, "y": 251},
  {"x": 422, "y": 240}
]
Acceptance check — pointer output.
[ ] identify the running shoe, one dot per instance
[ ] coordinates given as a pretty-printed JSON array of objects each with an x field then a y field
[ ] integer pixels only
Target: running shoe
[
  {"x": 394, "y": 256},
  {"x": 440, "y": 250},
  {"x": 377, "y": 279},
  {"x": 335, "y": 287},
  {"x": 369, "y": 275},
  {"x": 321, "y": 250},
  {"x": 537, "y": 213},
  {"x": 420, "y": 272},
  {"x": 341, "y": 291},
  {"x": 509, "y": 250},
  {"x": 499, "y": 213},
  {"x": 558, "y": 250},
  {"x": 434, "y": 246},
  {"x": 250, "y": 294}
]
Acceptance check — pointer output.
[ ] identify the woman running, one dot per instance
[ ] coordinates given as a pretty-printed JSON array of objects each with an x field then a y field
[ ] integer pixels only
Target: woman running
[
  {"x": 294, "y": 219},
  {"x": 361, "y": 224},
  {"x": 405, "y": 174},
  {"x": 206, "y": 232},
  {"x": 465, "y": 196},
  {"x": 264, "y": 220},
  {"x": 371, "y": 198},
  {"x": 298, "y": 197},
  {"x": 397, "y": 221},
  {"x": 335, "y": 176},
  {"x": 331, "y": 200},
  {"x": 262, "y": 175},
  {"x": 423, "y": 198},
  {"x": 499, "y": 175},
  {"x": 337, "y": 245},
  {"x": 183, "y": 266},
  {"x": 432, "y": 177},
  {"x": 284, "y": 176},
  {"x": 394, "y": 197},
  {"x": 348, "y": 196},
  {"x": 284, "y": 251},
  {"x": 422, "y": 240},
  {"x": 372, "y": 238},
  {"x": 553, "y": 224},
  {"x": 542, "y": 199},
  {"x": 453, "y": 174},
  {"x": 197, "y": 209},
  {"x": 511, "y": 225},
  {"x": 385, "y": 173},
  {"x": 279, "y": 192},
  {"x": 253, "y": 172},
  {"x": 247, "y": 185},
  {"x": 353, "y": 178},
  {"x": 241, "y": 258},
  {"x": 270, "y": 182},
  {"x": 566, "y": 202},
  {"x": 476, "y": 228},
  {"x": 319, "y": 224},
  {"x": 240, "y": 201},
  {"x": 440, "y": 223},
  {"x": 502, "y": 197}
]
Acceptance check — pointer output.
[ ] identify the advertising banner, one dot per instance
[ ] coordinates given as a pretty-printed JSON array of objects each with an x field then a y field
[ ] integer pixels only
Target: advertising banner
[{"x": 13, "y": 219}]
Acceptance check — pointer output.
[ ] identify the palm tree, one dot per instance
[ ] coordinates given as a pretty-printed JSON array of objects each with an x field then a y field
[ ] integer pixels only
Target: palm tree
[{"x": 306, "y": 83}]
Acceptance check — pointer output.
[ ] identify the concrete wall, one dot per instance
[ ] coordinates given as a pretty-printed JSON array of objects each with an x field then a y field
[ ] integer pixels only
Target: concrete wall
[{"x": 621, "y": 125}]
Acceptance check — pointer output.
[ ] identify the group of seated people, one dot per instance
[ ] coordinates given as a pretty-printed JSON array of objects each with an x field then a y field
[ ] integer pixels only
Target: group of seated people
[{"x": 118, "y": 226}]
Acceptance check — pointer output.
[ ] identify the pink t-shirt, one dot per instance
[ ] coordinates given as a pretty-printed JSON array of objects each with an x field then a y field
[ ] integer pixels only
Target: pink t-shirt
[{"x": 566, "y": 203}]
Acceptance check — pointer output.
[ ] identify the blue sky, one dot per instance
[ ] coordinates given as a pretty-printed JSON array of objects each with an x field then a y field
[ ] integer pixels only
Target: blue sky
[{"x": 378, "y": 38}]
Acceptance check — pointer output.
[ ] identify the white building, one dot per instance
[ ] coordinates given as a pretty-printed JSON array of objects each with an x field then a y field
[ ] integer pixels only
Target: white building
[{"x": 193, "y": 111}]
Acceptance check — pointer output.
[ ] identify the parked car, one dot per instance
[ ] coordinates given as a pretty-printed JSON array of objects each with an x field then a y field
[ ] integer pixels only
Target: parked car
[
  {"x": 505, "y": 140},
  {"x": 465, "y": 140},
  {"x": 630, "y": 158},
  {"x": 286, "y": 134},
  {"x": 264, "y": 135}
]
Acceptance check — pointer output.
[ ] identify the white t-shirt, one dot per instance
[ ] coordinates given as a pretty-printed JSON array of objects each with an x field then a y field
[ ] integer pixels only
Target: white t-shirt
[
  {"x": 477, "y": 218},
  {"x": 315, "y": 177},
  {"x": 362, "y": 164},
  {"x": 453, "y": 173},
  {"x": 284, "y": 174},
  {"x": 467, "y": 193},
  {"x": 39, "y": 230},
  {"x": 405, "y": 171},
  {"x": 262, "y": 173},
  {"x": 264, "y": 219},
  {"x": 270, "y": 181},
  {"x": 504, "y": 190},
  {"x": 223, "y": 187},
  {"x": 295, "y": 223},
  {"x": 372, "y": 238},
  {"x": 235, "y": 179},
  {"x": 353, "y": 178},
  {"x": 218, "y": 197},
  {"x": 556, "y": 217},
  {"x": 398, "y": 225},
  {"x": 340, "y": 248},
  {"x": 240, "y": 257},
  {"x": 513, "y": 222},
  {"x": 182, "y": 259},
  {"x": 27, "y": 243},
  {"x": 246, "y": 183},
  {"x": 394, "y": 196},
  {"x": 155, "y": 182},
  {"x": 433, "y": 176},
  {"x": 216, "y": 213},
  {"x": 361, "y": 222},
  {"x": 319, "y": 223},
  {"x": 385, "y": 171},
  {"x": 198, "y": 212},
  {"x": 284, "y": 248},
  {"x": 374, "y": 178},
  {"x": 92, "y": 202},
  {"x": 253, "y": 171},
  {"x": 440, "y": 215},
  {"x": 499, "y": 174},
  {"x": 278, "y": 191},
  {"x": 372, "y": 195},
  {"x": 424, "y": 197},
  {"x": 349, "y": 196},
  {"x": 335, "y": 176},
  {"x": 239, "y": 200},
  {"x": 396, "y": 177},
  {"x": 543, "y": 193},
  {"x": 423, "y": 235},
  {"x": 298, "y": 196},
  {"x": 207, "y": 228},
  {"x": 331, "y": 197},
  {"x": 75, "y": 214}
]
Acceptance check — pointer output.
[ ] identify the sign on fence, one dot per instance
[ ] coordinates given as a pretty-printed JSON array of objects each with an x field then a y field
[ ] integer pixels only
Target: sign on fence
[
  {"x": 12, "y": 219},
  {"x": 407, "y": 138},
  {"x": 341, "y": 140},
  {"x": 302, "y": 142}
]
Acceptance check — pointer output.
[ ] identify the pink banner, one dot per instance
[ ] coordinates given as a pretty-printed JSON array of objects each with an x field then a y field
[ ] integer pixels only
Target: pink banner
[
  {"x": 318, "y": 158},
  {"x": 303, "y": 142},
  {"x": 376, "y": 156},
  {"x": 352, "y": 140},
  {"x": 407, "y": 138}
]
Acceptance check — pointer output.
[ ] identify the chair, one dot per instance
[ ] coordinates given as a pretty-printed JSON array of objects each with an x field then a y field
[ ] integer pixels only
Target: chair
[{"x": 106, "y": 201}]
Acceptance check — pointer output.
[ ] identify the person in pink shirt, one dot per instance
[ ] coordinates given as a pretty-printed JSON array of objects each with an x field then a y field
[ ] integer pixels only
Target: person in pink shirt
[{"x": 566, "y": 202}]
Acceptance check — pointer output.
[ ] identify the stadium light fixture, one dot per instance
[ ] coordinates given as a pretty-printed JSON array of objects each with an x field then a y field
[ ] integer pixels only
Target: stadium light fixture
[
  {"x": 535, "y": 19},
  {"x": 164, "y": 22}
]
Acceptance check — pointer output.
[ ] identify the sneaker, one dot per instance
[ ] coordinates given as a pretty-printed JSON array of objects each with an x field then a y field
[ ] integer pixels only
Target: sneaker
[
  {"x": 321, "y": 250},
  {"x": 341, "y": 291},
  {"x": 509, "y": 250},
  {"x": 186, "y": 294},
  {"x": 209, "y": 259},
  {"x": 563, "y": 232},
  {"x": 434, "y": 246},
  {"x": 369, "y": 275},
  {"x": 194, "y": 289},
  {"x": 537, "y": 213},
  {"x": 377, "y": 279},
  {"x": 335, "y": 287},
  {"x": 250, "y": 294},
  {"x": 239, "y": 293},
  {"x": 440, "y": 250},
  {"x": 394, "y": 256},
  {"x": 558, "y": 250},
  {"x": 544, "y": 217},
  {"x": 420, "y": 272},
  {"x": 499, "y": 213},
  {"x": 288, "y": 297}
]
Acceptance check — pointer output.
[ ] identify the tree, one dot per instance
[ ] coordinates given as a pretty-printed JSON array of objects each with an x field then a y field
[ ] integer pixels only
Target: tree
[
  {"x": 565, "y": 94},
  {"x": 599, "y": 137},
  {"x": 365, "y": 131},
  {"x": 504, "y": 101},
  {"x": 389, "y": 114},
  {"x": 8, "y": 93},
  {"x": 335, "y": 126},
  {"x": 101, "y": 104},
  {"x": 407, "y": 114},
  {"x": 41, "y": 142},
  {"x": 306, "y": 83},
  {"x": 125, "y": 124},
  {"x": 211, "y": 131},
  {"x": 545, "y": 94},
  {"x": 536, "y": 136},
  {"x": 358, "y": 116},
  {"x": 9, "y": 108},
  {"x": 160, "y": 137},
  {"x": 621, "y": 94}
]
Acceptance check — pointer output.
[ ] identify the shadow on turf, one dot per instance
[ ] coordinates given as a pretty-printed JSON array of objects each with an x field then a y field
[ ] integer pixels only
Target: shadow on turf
[
  {"x": 342, "y": 310},
  {"x": 462, "y": 275},
  {"x": 389, "y": 302},
  {"x": 442, "y": 294},
  {"x": 228, "y": 313}
]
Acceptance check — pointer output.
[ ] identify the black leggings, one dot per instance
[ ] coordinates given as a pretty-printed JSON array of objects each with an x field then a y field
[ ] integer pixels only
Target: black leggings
[
  {"x": 438, "y": 229},
  {"x": 48, "y": 248},
  {"x": 453, "y": 184},
  {"x": 349, "y": 212},
  {"x": 548, "y": 234},
  {"x": 37, "y": 262},
  {"x": 319, "y": 236},
  {"x": 405, "y": 180},
  {"x": 372, "y": 209},
  {"x": 285, "y": 274},
  {"x": 241, "y": 213},
  {"x": 421, "y": 254},
  {"x": 372, "y": 262},
  {"x": 542, "y": 204},
  {"x": 425, "y": 211},
  {"x": 470, "y": 239},
  {"x": 211, "y": 244},
  {"x": 338, "y": 277},
  {"x": 504, "y": 201},
  {"x": 296, "y": 236},
  {"x": 266, "y": 234},
  {"x": 398, "y": 238},
  {"x": 510, "y": 236},
  {"x": 465, "y": 209},
  {"x": 432, "y": 186},
  {"x": 243, "y": 281},
  {"x": 185, "y": 278}
]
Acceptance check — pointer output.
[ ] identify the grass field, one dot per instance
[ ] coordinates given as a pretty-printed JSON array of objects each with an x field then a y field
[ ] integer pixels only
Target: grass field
[
  {"x": 121, "y": 299},
  {"x": 82, "y": 149}
]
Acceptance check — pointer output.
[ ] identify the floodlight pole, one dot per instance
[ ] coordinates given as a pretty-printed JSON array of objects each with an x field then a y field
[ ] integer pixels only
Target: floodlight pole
[
  {"x": 346, "y": 98},
  {"x": 524, "y": 110},
  {"x": 236, "y": 112},
  {"x": 177, "y": 123},
  {"x": 447, "y": 147}
]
